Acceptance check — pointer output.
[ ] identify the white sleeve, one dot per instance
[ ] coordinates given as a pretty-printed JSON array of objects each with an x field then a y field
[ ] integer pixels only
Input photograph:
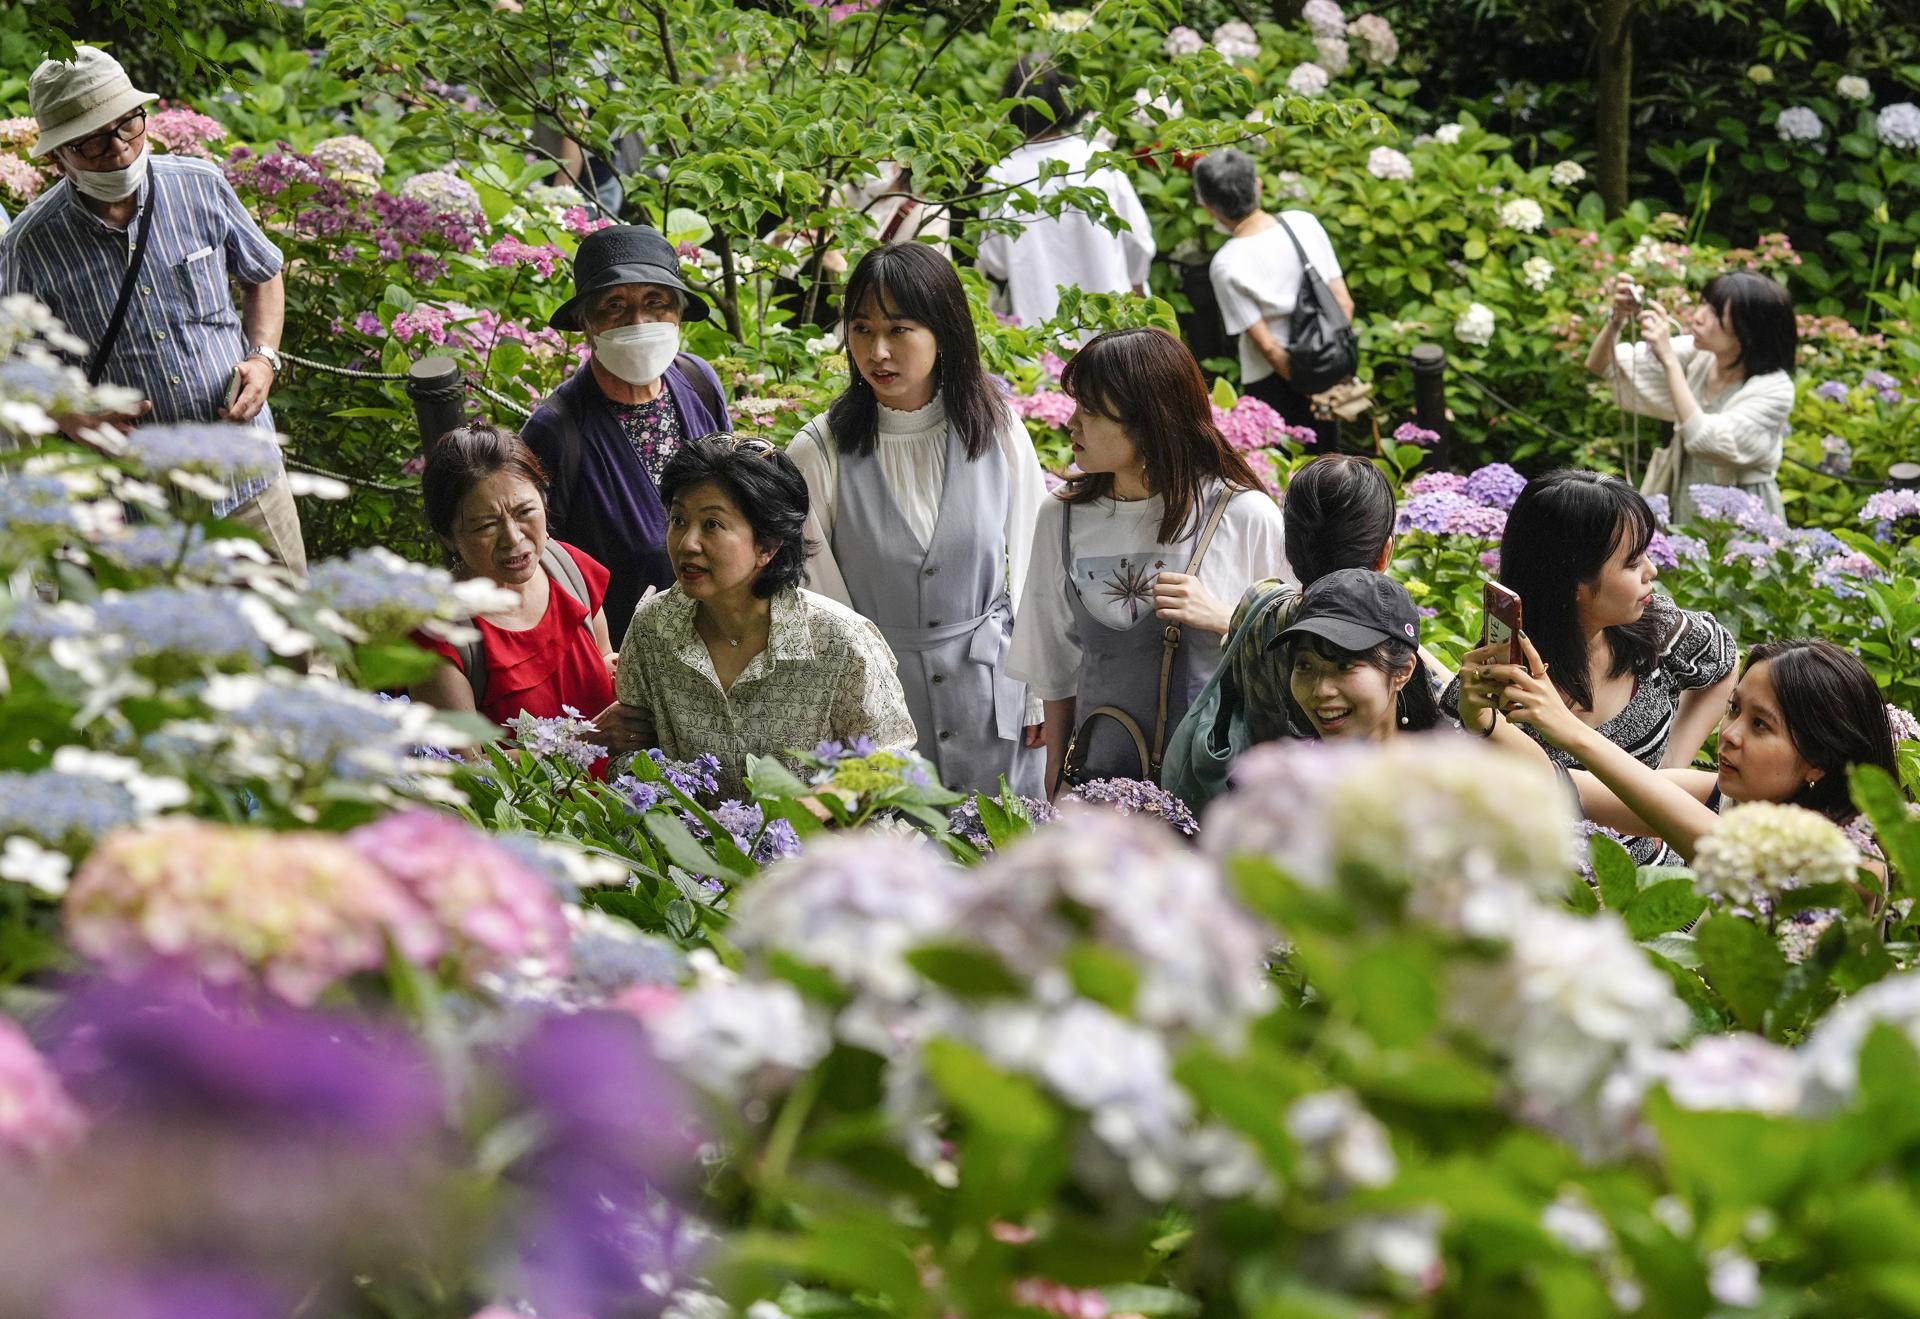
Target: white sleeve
[
  {"x": 1256, "y": 550},
  {"x": 1748, "y": 431},
  {"x": 1026, "y": 488},
  {"x": 1238, "y": 308},
  {"x": 809, "y": 453},
  {"x": 1639, "y": 382},
  {"x": 1137, "y": 243},
  {"x": 1046, "y": 646}
]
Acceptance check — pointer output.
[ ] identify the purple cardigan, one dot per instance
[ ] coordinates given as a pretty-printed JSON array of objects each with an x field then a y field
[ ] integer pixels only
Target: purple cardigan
[{"x": 602, "y": 498}]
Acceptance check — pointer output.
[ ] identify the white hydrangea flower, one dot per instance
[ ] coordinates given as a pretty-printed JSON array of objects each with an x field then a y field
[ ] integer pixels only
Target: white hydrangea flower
[
  {"x": 1333, "y": 55},
  {"x": 1799, "y": 123},
  {"x": 1387, "y": 163},
  {"x": 1831, "y": 1055},
  {"x": 1068, "y": 20},
  {"x": 1373, "y": 36},
  {"x": 1307, "y": 80},
  {"x": 1571, "y": 1221},
  {"x": 726, "y": 1037},
  {"x": 1236, "y": 41},
  {"x": 24, "y": 861},
  {"x": 1474, "y": 326},
  {"x": 1733, "y": 1279},
  {"x": 1448, "y": 134},
  {"x": 1340, "y": 1142},
  {"x": 152, "y": 793},
  {"x": 1730, "y": 1073},
  {"x": 1852, "y": 87},
  {"x": 1523, "y": 214},
  {"x": 1536, "y": 272},
  {"x": 1324, "y": 18},
  {"x": 1168, "y": 106},
  {"x": 1760, "y": 848},
  {"x": 1898, "y": 125},
  {"x": 1566, "y": 173},
  {"x": 1183, "y": 40}
]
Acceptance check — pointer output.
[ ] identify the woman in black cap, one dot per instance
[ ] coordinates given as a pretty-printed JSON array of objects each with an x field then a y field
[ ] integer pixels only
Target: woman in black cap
[
  {"x": 605, "y": 435},
  {"x": 1355, "y": 668}
]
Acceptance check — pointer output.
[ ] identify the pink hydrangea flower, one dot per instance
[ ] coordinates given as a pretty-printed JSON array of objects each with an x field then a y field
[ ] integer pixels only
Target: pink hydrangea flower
[
  {"x": 296, "y": 912},
  {"x": 20, "y": 180},
  {"x": 19, "y": 131},
  {"x": 579, "y": 220},
  {"x": 37, "y": 1118},
  {"x": 1428, "y": 483},
  {"x": 1410, "y": 433},
  {"x": 368, "y": 323},
  {"x": 423, "y": 319},
  {"x": 494, "y": 909},
  {"x": 183, "y": 131},
  {"x": 1049, "y": 406},
  {"x": 512, "y": 252}
]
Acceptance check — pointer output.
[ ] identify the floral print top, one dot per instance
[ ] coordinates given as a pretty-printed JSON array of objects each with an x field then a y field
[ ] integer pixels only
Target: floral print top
[
  {"x": 653, "y": 429},
  {"x": 825, "y": 674}
]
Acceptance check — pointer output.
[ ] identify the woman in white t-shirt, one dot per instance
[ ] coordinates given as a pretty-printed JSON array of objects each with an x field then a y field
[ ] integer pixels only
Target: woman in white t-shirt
[
  {"x": 1108, "y": 580},
  {"x": 1256, "y": 279}
]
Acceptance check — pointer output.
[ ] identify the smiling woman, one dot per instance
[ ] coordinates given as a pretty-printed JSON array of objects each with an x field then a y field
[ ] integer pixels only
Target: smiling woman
[{"x": 735, "y": 659}]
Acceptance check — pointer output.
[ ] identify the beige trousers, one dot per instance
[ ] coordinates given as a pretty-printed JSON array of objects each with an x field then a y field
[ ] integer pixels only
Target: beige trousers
[{"x": 272, "y": 513}]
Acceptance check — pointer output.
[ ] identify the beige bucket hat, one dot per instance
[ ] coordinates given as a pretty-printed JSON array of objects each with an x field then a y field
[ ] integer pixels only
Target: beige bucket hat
[{"x": 72, "y": 98}]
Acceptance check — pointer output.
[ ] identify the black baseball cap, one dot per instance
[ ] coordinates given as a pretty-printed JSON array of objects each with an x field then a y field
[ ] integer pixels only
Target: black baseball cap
[
  {"x": 623, "y": 254},
  {"x": 1356, "y": 609}
]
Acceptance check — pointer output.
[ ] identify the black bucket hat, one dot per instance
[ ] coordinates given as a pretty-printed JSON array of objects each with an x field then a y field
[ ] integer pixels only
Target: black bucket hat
[
  {"x": 623, "y": 254},
  {"x": 1356, "y": 610}
]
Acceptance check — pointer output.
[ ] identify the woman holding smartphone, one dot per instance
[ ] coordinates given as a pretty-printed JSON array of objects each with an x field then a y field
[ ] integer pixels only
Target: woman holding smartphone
[
  {"x": 1647, "y": 676},
  {"x": 1138, "y": 559},
  {"x": 1803, "y": 715},
  {"x": 1727, "y": 386},
  {"x": 923, "y": 487}
]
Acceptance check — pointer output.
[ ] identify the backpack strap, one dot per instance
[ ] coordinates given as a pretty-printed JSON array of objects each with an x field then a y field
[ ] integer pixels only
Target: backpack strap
[
  {"x": 704, "y": 389},
  {"x": 563, "y": 483},
  {"x": 473, "y": 663},
  {"x": 1172, "y": 640}
]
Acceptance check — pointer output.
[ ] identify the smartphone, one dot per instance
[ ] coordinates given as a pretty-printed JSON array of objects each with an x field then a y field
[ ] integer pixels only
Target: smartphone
[
  {"x": 234, "y": 383},
  {"x": 1502, "y": 620}
]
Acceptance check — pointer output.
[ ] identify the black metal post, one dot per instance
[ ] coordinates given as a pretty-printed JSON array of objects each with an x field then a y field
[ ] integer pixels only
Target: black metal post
[
  {"x": 1429, "y": 364},
  {"x": 439, "y": 394}
]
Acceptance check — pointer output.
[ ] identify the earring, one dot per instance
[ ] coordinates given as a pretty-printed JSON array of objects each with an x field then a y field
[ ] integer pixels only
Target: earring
[{"x": 1403, "y": 721}]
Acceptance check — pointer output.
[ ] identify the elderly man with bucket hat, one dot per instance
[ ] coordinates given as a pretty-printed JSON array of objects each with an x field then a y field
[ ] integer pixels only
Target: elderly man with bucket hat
[
  {"x": 137, "y": 254},
  {"x": 606, "y": 433}
]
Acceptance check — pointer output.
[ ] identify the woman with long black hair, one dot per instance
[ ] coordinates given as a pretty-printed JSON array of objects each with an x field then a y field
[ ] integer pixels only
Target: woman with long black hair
[
  {"x": 1137, "y": 560},
  {"x": 1649, "y": 677},
  {"x": 923, "y": 489}
]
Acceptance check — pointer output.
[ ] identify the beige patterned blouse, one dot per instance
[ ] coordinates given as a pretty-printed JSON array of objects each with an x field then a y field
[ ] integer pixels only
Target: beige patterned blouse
[{"x": 826, "y": 674}]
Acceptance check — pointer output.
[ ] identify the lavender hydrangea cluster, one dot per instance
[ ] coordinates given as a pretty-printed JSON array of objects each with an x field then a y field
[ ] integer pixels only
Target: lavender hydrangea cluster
[
  {"x": 1473, "y": 506},
  {"x": 1886, "y": 386},
  {"x": 1886, "y": 507},
  {"x": 63, "y": 810},
  {"x": 1137, "y": 797},
  {"x": 1496, "y": 485},
  {"x": 443, "y": 192},
  {"x": 1408, "y": 432},
  {"x": 1725, "y": 503},
  {"x": 965, "y": 822},
  {"x": 218, "y": 450},
  {"x": 565, "y": 737},
  {"x": 698, "y": 778},
  {"x": 1831, "y": 391},
  {"x": 1836, "y": 455},
  {"x": 186, "y": 622},
  {"x": 1670, "y": 549},
  {"x": 383, "y": 594}
]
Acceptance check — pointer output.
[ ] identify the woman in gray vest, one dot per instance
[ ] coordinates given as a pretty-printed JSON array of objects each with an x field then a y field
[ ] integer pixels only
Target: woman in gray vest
[{"x": 923, "y": 489}]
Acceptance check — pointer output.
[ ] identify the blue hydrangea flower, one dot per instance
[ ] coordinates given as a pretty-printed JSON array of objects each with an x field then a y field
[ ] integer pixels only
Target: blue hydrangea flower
[
  {"x": 964, "y": 819},
  {"x": 1759, "y": 553},
  {"x": 1662, "y": 509},
  {"x": 1842, "y": 574},
  {"x": 1138, "y": 797},
  {"x": 191, "y": 621},
  {"x": 221, "y": 450},
  {"x": 1831, "y": 390},
  {"x": 378, "y": 590},
  {"x": 1429, "y": 512},
  {"x": 63, "y": 810},
  {"x": 335, "y": 730},
  {"x": 1725, "y": 503},
  {"x": 35, "y": 503},
  {"x": 832, "y": 753},
  {"x": 1495, "y": 486},
  {"x": 1815, "y": 542}
]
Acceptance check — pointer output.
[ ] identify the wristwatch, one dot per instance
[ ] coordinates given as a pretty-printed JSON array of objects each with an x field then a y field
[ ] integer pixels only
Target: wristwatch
[{"x": 272, "y": 358}]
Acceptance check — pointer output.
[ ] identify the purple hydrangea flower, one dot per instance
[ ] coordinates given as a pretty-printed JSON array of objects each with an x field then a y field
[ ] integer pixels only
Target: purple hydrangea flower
[
  {"x": 1831, "y": 390},
  {"x": 1662, "y": 509},
  {"x": 1815, "y": 543},
  {"x": 1685, "y": 548},
  {"x": 1434, "y": 483},
  {"x": 1429, "y": 512},
  {"x": 1476, "y": 522},
  {"x": 1759, "y": 553},
  {"x": 1138, "y": 797},
  {"x": 1725, "y": 503},
  {"x": 562, "y": 737},
  {"x": 1836, "y": 455},
  {"x": 1891, "y": 506},
  {"x": 832, "y": 753},
  {"x": 1842, "y": 573},
  {"x": 1409, "y": 433},
  {"x": 1495, "y": 486},
  {"x": 964, "y": 820}
]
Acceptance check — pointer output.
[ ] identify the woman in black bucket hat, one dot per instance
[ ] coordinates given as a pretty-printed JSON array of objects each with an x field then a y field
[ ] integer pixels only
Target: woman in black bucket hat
[{"x": 606, "y": 433}]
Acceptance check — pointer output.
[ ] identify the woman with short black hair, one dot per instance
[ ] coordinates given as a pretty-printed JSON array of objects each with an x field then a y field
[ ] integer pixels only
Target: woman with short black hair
[
  {"x": 548, "y": 651},
  {"x": 923, "y": 489},
  {"x": 735, "y": 659},
  {"x": 1727, "y": 386}
]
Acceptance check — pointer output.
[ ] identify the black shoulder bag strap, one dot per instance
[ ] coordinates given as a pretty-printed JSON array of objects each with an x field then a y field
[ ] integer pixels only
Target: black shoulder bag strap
[
  {"x": 97, "y": 365},
  {"x": 702, "y": 387}
]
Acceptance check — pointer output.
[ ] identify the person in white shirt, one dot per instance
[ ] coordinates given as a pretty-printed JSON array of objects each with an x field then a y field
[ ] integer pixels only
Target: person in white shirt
[
  {"x": 1728, "y": 386},
  {"x": 1256, "y": 279},
  {"x": 922, "y": 493},
  {"x": 1070, "y": 248},
  {"x": 1109, "y": 582}
]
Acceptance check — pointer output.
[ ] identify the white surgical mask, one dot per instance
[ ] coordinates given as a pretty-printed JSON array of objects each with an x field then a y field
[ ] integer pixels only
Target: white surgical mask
[
  {"x": 638, "y": 354},
  {"x": 112, "y": 185}
]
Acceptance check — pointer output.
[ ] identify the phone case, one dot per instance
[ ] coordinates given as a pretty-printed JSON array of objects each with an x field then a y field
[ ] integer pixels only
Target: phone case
[{"x": 1502, "y": 620}]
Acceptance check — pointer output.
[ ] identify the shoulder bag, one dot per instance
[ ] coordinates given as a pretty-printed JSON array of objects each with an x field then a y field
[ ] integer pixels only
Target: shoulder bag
[
  {"x": 1320, "y": 340},
  {"x": 97, "y": 364},
  {"x": 1073, "y": 769}
]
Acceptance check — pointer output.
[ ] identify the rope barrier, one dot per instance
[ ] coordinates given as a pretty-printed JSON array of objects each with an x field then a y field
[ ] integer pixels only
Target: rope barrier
[
  {"x": 345, "y": 370},
  {"x": 360, "y": 481},
  {"x": 503, "y": 401}
]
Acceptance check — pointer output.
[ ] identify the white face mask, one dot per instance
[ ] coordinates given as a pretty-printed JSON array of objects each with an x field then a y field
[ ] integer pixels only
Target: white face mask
[
  {"x": 638, "y": 354},
  {"x": 112, "y": 185}
]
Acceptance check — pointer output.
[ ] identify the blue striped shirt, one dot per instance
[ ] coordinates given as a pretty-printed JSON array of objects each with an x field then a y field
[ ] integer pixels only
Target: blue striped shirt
[{"x": 182, "y": 337}]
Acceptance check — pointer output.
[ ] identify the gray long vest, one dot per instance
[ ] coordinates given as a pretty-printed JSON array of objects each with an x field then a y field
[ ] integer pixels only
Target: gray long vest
[{"x": 945, "y": 610}]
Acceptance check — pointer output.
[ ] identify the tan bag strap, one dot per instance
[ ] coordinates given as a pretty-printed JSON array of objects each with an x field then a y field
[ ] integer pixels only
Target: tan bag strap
[{"x": 1200, "y": 546}]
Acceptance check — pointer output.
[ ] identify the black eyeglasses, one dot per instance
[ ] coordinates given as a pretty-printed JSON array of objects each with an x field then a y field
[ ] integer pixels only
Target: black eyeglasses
[{"x": 95, "y": 145}]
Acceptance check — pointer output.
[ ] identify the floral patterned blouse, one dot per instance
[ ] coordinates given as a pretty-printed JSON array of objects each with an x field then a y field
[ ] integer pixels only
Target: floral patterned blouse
[
  {"x": 826, "y": 674},
  {"x": 653, "y": 429}
]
